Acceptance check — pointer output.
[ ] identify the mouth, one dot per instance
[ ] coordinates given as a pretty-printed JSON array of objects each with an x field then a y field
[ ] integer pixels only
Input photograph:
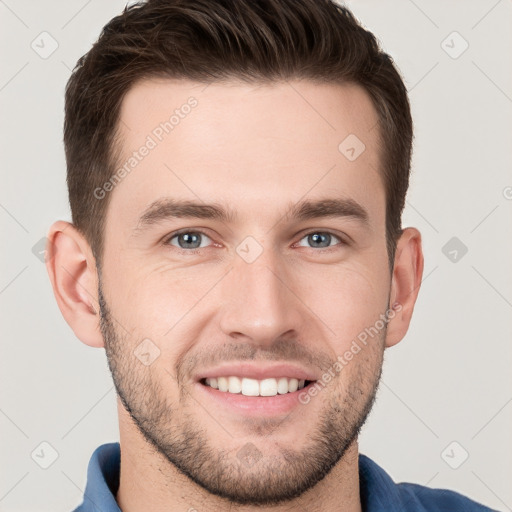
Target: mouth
[
  {"x": 253, "y": 398},
  {"x": 255, "y": 388}
]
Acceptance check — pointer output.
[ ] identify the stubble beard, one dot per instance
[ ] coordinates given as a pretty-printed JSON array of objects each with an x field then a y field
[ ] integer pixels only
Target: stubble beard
[{"x": 269, "y": 479}]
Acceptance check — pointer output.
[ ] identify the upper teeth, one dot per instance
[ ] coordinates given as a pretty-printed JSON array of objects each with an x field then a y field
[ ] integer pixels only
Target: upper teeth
[{"x": 253, "y": 387}]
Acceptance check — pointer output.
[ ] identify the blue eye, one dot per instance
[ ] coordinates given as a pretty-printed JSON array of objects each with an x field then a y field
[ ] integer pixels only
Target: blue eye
[
  {"x": 320, "y": 239},
  {"x": 188, "y": 240}
]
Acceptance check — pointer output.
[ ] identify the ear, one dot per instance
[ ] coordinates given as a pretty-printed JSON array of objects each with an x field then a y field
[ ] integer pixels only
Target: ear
[
  {"x": 405, "y": 284},
  {"x": 72, "y": 270}
]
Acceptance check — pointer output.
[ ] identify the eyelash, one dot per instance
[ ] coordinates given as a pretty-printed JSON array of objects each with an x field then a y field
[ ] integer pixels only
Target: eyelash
[{"x": 167, "y": 240}]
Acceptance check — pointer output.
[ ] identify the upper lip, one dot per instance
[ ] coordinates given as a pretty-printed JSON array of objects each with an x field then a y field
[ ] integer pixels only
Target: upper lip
[{"x": 258, "y": 371}]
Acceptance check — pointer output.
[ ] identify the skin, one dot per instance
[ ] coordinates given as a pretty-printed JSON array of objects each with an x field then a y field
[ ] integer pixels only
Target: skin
[{"x": 256, "y": 149}]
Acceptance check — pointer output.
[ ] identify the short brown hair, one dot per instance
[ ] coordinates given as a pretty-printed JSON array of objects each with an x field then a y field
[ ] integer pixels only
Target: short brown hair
[{"x": 215, "y": 40}]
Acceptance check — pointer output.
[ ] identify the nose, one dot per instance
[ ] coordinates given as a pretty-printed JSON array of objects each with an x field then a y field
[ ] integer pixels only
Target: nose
[{"x": 259, "y": 304}]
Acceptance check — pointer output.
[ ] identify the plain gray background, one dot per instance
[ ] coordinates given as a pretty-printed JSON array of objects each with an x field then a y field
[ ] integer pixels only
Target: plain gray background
[{"x": 446, "y": 390}]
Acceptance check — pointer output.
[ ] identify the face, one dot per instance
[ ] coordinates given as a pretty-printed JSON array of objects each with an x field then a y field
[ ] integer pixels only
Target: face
[{"x": 245, "y": 252}]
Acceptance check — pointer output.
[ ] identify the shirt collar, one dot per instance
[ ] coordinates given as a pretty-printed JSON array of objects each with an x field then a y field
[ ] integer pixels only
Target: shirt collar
[
  {"x": 102, "y": 480},
  {"x": 377, "y": 490}
]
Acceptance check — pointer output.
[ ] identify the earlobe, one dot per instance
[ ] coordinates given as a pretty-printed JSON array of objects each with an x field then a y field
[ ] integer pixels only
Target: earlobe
[
  {"x": 405, "y": 284},
  {"x": 72, "y": 271}
]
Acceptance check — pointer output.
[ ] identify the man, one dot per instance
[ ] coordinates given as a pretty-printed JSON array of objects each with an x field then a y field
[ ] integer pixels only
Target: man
[{"x": 237, "y": 171}]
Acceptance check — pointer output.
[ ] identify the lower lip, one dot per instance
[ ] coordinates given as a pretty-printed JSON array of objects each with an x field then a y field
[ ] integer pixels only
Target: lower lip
[{"x": 254, "y": 405}]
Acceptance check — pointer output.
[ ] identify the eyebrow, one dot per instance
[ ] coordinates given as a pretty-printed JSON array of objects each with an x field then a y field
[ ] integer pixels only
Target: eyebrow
[{"x": 168, "y": 208}]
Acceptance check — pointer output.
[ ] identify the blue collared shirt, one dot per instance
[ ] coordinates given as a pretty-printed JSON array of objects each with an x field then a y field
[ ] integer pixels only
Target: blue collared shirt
[{"x": 378, "y": 491}]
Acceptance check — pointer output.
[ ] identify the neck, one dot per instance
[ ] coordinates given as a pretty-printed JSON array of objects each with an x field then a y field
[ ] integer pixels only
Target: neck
[{"x": 148, "y": 481}]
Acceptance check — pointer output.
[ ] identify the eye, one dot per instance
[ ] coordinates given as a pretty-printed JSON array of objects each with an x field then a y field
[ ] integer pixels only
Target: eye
[
  {"x": 188, "y": 240},
  {"x": 320, "y": 239}
]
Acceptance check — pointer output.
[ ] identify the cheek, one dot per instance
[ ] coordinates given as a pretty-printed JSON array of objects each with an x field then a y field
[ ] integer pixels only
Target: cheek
[
  {"x": 164, "y": 306},
  {"x": 350, "y": 299},
  {"x": 141, "y": 294}
]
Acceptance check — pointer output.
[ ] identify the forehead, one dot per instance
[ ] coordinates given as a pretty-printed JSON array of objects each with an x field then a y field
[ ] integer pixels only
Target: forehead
[
  {"x": 303, "y": 109},
  {"x": 246, "y": 145}
]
